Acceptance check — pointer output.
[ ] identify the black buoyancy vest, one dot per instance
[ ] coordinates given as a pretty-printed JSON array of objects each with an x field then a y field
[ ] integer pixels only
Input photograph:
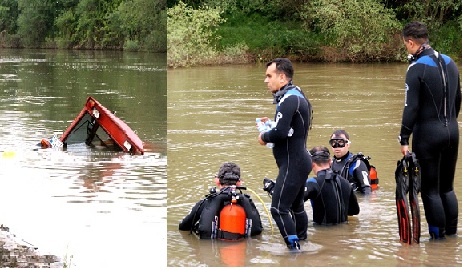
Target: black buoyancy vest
[
  {"x": 209, "y": 226},
  {"x": 347, "y": 172}
]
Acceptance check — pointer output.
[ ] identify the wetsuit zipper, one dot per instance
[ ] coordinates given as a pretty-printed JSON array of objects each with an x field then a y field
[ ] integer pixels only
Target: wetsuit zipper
[
  {"x": 445, "y": 95},
  {"x": 440, "y": 62},
  {"x": 445, "y": 108}
]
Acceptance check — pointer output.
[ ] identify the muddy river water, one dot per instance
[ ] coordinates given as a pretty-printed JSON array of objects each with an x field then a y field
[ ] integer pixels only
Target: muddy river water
[
  {"x": 211, "y": 120},
  {"x": 93, "y": 208}
]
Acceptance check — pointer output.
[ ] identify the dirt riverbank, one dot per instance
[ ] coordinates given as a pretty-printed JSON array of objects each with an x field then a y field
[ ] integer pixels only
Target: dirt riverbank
[{"x": 18, "y": 253}]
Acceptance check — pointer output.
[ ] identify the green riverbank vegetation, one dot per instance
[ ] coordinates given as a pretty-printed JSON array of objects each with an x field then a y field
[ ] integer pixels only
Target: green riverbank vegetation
[
  {"x": 135, "y": 25},
  {"x": 204, "y": 32}
]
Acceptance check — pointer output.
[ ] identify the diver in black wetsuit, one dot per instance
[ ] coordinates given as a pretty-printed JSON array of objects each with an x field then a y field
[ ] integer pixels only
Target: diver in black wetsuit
[
  {"x": 332, "y": 197},
  {"x": 432, "y": 105},
  {"x": 207, "y": 211},
  {"x": 293, "y": 119},
  {"x": 344, "y": 163}
]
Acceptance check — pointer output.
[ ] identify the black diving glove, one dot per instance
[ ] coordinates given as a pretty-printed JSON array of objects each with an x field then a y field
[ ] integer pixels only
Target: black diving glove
[{"x": 268, "y": 186}]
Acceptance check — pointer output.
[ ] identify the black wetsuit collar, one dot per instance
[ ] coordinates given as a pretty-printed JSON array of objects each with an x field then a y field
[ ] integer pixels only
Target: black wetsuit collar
[
  {"x": 327, "y": 172},
  {"x": 425, "y": 49},
  {"x": 281, "y": 92}
]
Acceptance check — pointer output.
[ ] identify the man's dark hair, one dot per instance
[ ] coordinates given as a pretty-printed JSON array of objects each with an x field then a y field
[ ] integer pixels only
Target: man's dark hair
[
  {"x": 339, "y": 132},
  {"x": 416, "y": 31},
  {"x": 283, "y": 65},
  {"x": 320, "y": 155},
  {"x": 229, "y": 173}
]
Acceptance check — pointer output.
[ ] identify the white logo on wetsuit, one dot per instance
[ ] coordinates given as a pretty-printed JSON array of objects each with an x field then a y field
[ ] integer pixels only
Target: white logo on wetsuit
[
  {"x": 278, "y": 116},
  {"x": 365, "y": 178},
  {"x": 291, "y": 130}
]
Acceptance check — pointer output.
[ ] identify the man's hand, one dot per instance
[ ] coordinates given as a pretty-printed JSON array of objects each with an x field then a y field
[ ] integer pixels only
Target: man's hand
[
  {"x": 268, "y": 185},
  {"x": 264, "y": 119},
  {"x": 404, "y": 149},
  {"x": 260, "y": 139}
]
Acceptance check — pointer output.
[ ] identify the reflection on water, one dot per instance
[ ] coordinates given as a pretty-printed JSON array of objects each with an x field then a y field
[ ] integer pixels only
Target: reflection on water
[
  {"x": 212, "y": 113},
  {"x": 91, "y": 206}
]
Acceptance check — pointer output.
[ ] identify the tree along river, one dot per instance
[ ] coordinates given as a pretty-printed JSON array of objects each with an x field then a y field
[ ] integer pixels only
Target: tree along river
[
  {"x": 92, "y": 207},
  {"x": 211, "y": 120}
]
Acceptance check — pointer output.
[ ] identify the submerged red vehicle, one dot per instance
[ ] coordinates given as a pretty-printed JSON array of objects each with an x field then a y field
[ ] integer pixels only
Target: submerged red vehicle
[{"x": 95, "y": 125}]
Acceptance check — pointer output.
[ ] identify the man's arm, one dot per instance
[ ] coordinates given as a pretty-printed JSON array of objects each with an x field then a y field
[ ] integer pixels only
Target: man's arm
[
  {"x": 283, "y": 119},
  {"x": 311, "y": 189},
  {"x": 353, "y": 205},
  {"x": 188, "y": 222},
  {"x": 362, "y": 178},
  {"x": 254, "y": 215},
  {"x": 411, "y": 103},
  {"x": 458, "y": 97}
]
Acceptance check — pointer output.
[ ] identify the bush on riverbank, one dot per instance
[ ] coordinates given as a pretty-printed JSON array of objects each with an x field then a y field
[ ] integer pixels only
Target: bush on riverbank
[
  {"x": 191, "y": 32},
  {"x": 320, "y": 30},
  {"x": 84, "y": 24}
]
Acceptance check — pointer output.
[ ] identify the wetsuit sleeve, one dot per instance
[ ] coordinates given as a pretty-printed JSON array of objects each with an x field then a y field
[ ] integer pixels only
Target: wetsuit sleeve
[
  {"x": 353, "y": 205},
  {"x": 254, "y": 215},
  {"x": 458, "y": 97},
  {"x": 411, "y": 102},
  {"x": 311, "y": 189},
  {"x": 362, "y": 178},
  {"x": 284, "y": 119},
  {"x": 188, "y": 222}
]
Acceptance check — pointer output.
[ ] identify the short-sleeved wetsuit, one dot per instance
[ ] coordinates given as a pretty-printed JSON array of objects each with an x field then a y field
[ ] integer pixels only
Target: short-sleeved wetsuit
[
  {"x": 293, "y": 120},
  {"x": 430, "y": 114}
]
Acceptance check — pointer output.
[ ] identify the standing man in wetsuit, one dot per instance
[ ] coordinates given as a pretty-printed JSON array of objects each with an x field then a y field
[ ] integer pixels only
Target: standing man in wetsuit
[
  {"x": 431, "y": 107},
  {"x": 345, "y": 164},
  {"x": 293, "y": 120}
]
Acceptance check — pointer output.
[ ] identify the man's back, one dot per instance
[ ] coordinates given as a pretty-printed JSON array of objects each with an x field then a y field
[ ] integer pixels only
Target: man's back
[
  {"x": 332, "y": 198},
  {"x": 432, "y": 100},
  {"x": 203, "y": 217}
]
